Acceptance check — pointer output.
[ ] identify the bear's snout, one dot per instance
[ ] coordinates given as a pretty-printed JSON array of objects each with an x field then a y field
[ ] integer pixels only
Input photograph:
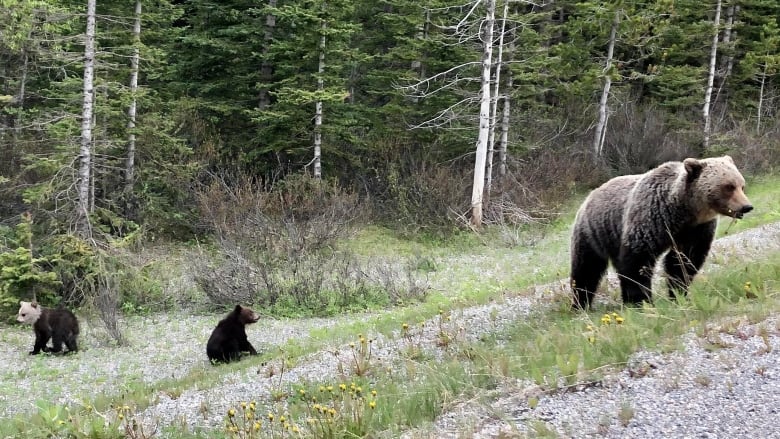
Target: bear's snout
[{"x": 745, "y": 209}]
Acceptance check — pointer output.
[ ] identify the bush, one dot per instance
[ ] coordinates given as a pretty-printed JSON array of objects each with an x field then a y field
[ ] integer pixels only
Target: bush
[{"x": 277, "y": 248}]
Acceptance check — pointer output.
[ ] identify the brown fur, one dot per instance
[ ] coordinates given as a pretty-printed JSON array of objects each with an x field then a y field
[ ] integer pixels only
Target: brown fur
[
  {"x": 58, "y": 324},
  {"x": 633, "y": 219},
  {"x": 229, "y": 340}
]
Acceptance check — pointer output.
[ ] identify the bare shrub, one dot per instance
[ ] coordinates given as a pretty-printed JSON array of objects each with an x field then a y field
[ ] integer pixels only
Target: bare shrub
[
  {"x": 639, "y": 139},
  {"x": 754, "y": 153},
  {"x": 277, "y": 248},
  {"x": 424, "y": 195}
]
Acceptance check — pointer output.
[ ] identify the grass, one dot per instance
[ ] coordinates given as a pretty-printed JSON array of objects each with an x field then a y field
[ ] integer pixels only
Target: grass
[{"x": 552, "y": 348}]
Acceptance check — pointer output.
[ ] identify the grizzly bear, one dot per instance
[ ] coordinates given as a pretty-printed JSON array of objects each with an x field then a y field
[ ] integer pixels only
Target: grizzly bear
[
  {"x": 633, "y": 219},
  {"x": 59, "y": 325},
  {"x": 228, "y": 340}
]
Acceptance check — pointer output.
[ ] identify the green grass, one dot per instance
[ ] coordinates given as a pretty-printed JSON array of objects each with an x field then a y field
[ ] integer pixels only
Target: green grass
[{"x": 550, "y": 348}]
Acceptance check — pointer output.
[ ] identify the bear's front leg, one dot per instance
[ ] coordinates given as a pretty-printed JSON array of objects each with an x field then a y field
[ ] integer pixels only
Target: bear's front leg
[
  {"x": 687, "y": 255},
  {"x": 40, "y": 345},
  {"x": 636, "y": 274}
]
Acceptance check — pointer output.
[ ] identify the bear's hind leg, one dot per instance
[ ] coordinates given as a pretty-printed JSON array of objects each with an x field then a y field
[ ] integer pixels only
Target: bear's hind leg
[
  {"x": 587, "y": 269},
  {"x": 687, "y": 255},
  {"x": 70, "y": 342}
]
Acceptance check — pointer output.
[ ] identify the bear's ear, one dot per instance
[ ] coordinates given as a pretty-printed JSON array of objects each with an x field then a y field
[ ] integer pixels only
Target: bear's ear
[
  {"x": 237, "y": 309},
  {"x": 729, "y": 159},
  {"x": 34, "y": 304},
  {"x": 693, "y": 168}
]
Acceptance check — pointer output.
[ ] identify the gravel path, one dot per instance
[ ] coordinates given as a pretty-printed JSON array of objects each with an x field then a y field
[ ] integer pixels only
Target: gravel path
[{"x": 172, "y": 346}]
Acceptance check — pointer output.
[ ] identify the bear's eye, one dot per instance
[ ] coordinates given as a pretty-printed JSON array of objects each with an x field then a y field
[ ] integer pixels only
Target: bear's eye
[
  {"x": 24, "y": 315},
  {"x": 730, "y": 187}
]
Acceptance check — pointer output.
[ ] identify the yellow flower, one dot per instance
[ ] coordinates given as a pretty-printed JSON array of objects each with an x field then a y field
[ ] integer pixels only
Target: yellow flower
[
  {"x": 252, "y": 406},
  {"x": 232, "y": 412},
  {"x": 332, "y": 411},
  {"x": 592, "y": 339},
  {"x": 243, "y": 405},
  {"x": 295, "y": 429},
  {"x": 352, "y": 345},
  {"x": 615, "y": 315},
  {"x": 121, "y": 416},
  {"x": 359, "y": 389},
  {"x": 606, "y": 319},
  {"x": 302, "y": 392},
  {"x": 372, "y": 404},
  {"x": 322, "y": 388},
  {"x": 342, "y": 387},
  {"x": 256, "y": 426},
  {"x": 373, "y": 393},
  {"x": 270, "y": 416},
  {"x": 405, "y": 326},
  {"x": 330, "y": 388},
  {"x": 282, "y": 419},
  {"x": 449, "y": 318},
  {"x": 619, "y": 320},
  {"x": 362, "y": 340},
  {"x": 249, "y": 415},
  {"x": 589, "y": 327}
]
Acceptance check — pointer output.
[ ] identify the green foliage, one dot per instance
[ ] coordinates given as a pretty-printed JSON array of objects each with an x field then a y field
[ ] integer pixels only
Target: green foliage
[{"x": 21, "y": 274}]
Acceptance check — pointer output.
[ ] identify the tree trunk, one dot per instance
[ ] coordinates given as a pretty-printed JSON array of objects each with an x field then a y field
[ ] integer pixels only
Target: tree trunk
[
  {"x": 761, "y": 100},
  {"x": 729, "y": 36},
  {"x": 131, "y": 111},
  {"x": 504, "y": 141},
  {"x": 601, "y": 127},
  {"x": 318, "y": 108},
  {"x": 266, "y": 68},
  {"x": 711, "y": 77},
  {"x": 484, "y": 117},
  {"x": 494, "y": 107},
  {"x": 85, "y": 151}
]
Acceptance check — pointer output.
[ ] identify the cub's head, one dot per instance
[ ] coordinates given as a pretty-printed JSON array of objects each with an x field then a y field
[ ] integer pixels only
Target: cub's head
[
  {"x": 716, "y": 187},
  {"x": 246, "y": 315},
  {"x": 29, "y": 312}
]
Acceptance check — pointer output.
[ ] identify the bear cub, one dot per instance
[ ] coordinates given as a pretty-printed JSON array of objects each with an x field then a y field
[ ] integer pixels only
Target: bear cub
[
  {"x": 57, "y": 324},
  {"x": 228, "y": 340}
]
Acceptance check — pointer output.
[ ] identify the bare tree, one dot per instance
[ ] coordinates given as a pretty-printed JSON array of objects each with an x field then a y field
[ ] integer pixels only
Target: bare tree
[
  {"x": 484, "y": 116},
  {"x": 318, "y": 106},
  {"x": 266, "y": 68},
  {"x": 711, "y": 76},
  {"x": 131, "y": 111},
  {"x": 601, "y": 126},
  {"x": 85, "y": 151},
  {"x": 494, "y": 103}
]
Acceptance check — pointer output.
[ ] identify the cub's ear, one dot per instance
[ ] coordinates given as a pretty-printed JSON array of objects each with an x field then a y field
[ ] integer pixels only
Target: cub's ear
[
  {"x": 34, "y": 304},
  {"x": 693, "y": 168}
]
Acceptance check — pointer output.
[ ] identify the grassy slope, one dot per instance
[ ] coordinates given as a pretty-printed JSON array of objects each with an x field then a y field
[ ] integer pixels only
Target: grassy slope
[{"x": 471, "y": 269}]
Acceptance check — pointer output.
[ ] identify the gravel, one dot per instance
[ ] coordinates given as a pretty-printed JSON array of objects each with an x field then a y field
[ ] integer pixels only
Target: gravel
[{"x": 732, "y": 388}]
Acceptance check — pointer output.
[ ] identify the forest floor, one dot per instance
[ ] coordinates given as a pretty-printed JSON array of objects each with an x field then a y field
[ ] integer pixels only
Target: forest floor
[{"x": 168, "y": 348}]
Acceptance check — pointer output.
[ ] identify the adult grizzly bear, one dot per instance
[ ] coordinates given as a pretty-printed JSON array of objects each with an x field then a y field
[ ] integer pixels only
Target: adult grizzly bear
[
  {"x": 633, "y": 219},
  {"x": 228, "y": 340}
]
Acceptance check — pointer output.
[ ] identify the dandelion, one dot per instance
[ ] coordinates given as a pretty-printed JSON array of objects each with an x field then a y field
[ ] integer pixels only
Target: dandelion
[
  {"x": 592, "y": 339},
  {"x": 270, "y": 416},
  {"x": 405, "y": 326},
  {"x": 252, "y": 406},
  {"x": 332, "y": 411},
  {"x": 606, "y": 319},
  {"x": 295, "y": 429},
  {"x": 358, "y": 390},
  {"x": 615, "y": 315},
  {"x": 232, "y": 412},
  {"x": 243, "y": 405},
  {"x": 372, "y": 405},
  {"x": 352, "y": 345},
  {"x": 619, "y": 320},
  {"x": 256, "y": 426},
  {"x": 330, "y": 388},
  {"x": 342, "y": 387},
  {"x": 322, "y": 388},
  {"x": 282, "y": 419},
  {"x": 373, "y": 393},
  {"x": 302, "y": 392},
  {"x": 121, "y": 416}
]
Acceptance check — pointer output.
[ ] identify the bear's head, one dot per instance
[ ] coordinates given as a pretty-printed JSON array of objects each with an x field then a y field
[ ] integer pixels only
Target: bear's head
[
  {"x": 29, "y": 312},
  {"x": 246, "y": 315},
  {"x": 716, "y": 186}
]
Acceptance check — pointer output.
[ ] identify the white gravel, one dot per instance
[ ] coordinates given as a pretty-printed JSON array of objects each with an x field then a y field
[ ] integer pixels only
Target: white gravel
[{"x": 165, "y": 346}]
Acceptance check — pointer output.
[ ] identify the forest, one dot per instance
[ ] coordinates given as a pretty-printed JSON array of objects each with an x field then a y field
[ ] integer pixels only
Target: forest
[{"x": 280, "y": 124}]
